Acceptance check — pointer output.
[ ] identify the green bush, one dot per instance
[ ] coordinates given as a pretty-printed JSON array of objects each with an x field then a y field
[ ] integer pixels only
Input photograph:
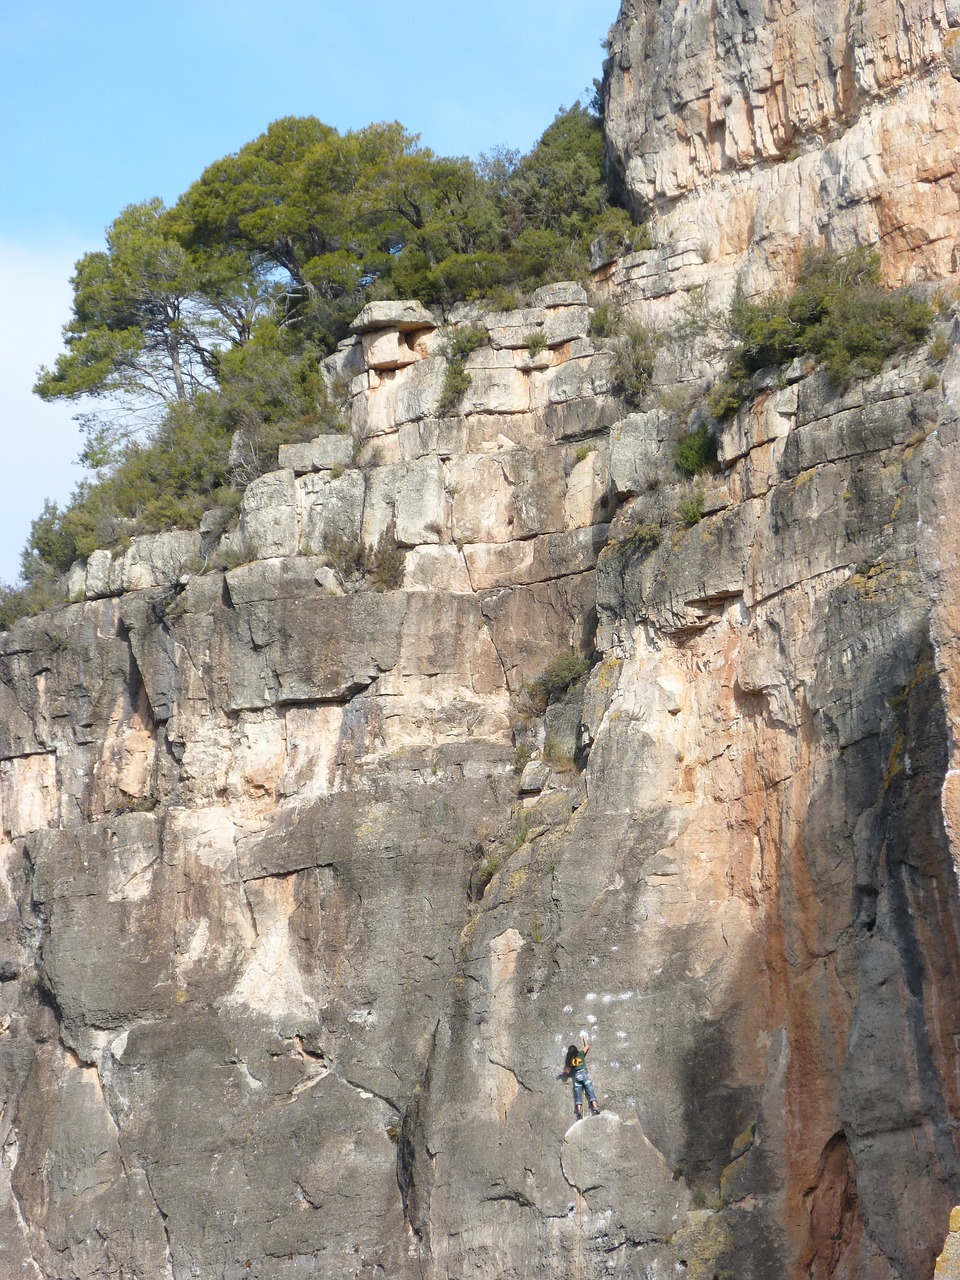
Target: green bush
[
  {"x": 940, "y": 348},
  {"x": 725, "y": 399},
  {"x": 505, "y": 298},
  {"x": 557, "y": 677},
  {"x": 536, "y": 342},
  {"x": 462, "y": 342},
  {"x": 642, "y": 537},
  {"x": 201, "y": 456},
  {"x": 838, "y": 314},
  {"x": 605, "y": 320},
  {"x": 695, "y": 451},
  {"x": 614, "y": 234},
  {"x": 223, "y": 559},
  {"x": 270, "y": 396},
  {"x": 861, "y": 330},
  {"x": 456, "y": 382},
  {"x": 165, "y": 483},
  {"x": 50, "y": 546},
  {"x": 512, "y": 223},
  {"x": 633, "y": 362},
  {"x": 380, "y": 567},
  {"x": 690, "y": 507},
  {"x": 457, "y": 345},
  {"x": 28, "y": 600},
  {"x": 486, "y": 867}
]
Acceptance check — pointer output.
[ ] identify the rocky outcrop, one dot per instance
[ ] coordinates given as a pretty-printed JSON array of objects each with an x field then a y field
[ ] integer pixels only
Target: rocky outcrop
[
  {"x": 305, "y": 890},
  {"x": 248, "y": 813},
  {"x": 323, "y": 832},
  {"x": 749, "y": 129}
]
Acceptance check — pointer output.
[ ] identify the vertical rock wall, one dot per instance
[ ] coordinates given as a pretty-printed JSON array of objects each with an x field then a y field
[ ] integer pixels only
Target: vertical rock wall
[
  {"x": 305, "y": 884},
  {"x": 304, "y": 894},
  {"x": 749, "y": 129}
]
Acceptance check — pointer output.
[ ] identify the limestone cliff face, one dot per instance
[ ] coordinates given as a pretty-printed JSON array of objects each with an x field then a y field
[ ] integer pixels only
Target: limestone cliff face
[
  {"x": 293, "y": 943},
  {"x": 303, "y": 892},
  {"x": 749, "y": 128}
]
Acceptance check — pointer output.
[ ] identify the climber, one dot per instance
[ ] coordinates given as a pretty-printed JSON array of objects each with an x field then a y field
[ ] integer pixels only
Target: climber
[{"x": 575, "y": 1069}]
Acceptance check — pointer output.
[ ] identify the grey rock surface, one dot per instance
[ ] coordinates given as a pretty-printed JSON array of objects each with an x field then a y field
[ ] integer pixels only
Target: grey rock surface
[
  {"x": 330, "y": 510},
  {"x": 393, "y": 315},
  {"x": 98, "y": 575},
  {"x": 154, "y": 559},
  {"x": 326, "y": 453},
  {"x": 566, "y": 293},
  {"x": 268, "y": 517},
  {"x": 310, "y": 869}
]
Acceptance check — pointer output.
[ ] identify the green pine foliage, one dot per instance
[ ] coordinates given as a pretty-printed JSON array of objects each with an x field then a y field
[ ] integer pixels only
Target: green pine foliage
[
  {"x": 199, "y": 329},
  {"x": 513, "y": 222}
]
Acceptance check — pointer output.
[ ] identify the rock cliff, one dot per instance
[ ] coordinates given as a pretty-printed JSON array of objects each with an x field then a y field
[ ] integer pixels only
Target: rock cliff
[
  {"x": 314, "y": 857},
  {"x": 747, "y": 129}
]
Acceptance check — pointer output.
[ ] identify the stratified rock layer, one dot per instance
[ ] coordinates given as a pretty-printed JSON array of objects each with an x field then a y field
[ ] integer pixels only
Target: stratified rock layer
[
  {"x": 751, "y": 128},
  {"x": 306, "y": 880},
  {"x": 294, "y": 942}
]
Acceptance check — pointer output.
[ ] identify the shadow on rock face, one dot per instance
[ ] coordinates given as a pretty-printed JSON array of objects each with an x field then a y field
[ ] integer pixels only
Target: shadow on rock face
[{"x": 714, "y": 1112}]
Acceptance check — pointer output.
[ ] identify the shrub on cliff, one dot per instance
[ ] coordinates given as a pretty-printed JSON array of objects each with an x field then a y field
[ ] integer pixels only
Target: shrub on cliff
[
  {"x": 462, "y": 342},
  {"x": 271, "y": 392},
  {"x": 559, "y": 674},
  {"x": 28, "y": 600},
  {"x": 383, "y": 565},
  {"x": 633, "y": 362},
  {"x": 695, "y": 451},
  {"x": 456, "y": 383},
  {"x": 200, "y": 456},
  {"x": 838, "y": 314},
  {"x": 457, "y": 345}
]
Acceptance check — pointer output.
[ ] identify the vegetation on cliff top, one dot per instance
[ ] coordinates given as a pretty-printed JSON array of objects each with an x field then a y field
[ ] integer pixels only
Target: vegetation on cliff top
[
  {"x": 302, "y": 226},
  {"x": 199, "y": 329}
]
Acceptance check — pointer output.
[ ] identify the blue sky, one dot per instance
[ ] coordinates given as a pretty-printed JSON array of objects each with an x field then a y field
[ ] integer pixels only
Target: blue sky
[{"x": 105, "y": 103}]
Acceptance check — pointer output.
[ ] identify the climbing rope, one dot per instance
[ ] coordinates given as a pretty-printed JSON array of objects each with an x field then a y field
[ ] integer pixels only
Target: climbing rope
[{"x": 579, "y": 1192}]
